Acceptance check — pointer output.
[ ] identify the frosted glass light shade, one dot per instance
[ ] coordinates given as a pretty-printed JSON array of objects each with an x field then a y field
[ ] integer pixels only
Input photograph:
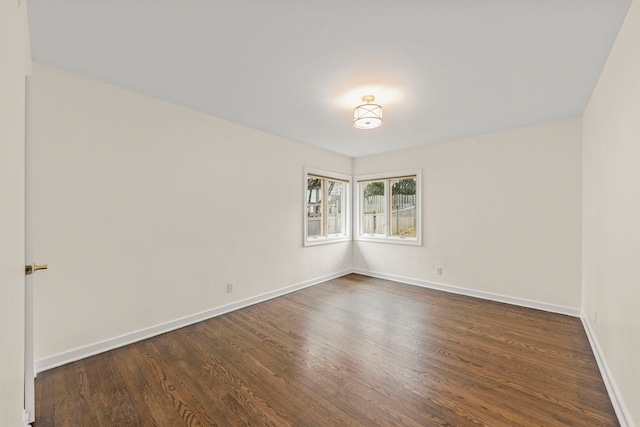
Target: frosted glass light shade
[{"x": 367, "y": 116}]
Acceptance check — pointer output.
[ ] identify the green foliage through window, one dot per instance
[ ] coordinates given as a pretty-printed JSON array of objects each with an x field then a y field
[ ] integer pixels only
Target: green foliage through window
[
  {"x": 389, "y": 208},
  {"x": 326, "y": 207}
]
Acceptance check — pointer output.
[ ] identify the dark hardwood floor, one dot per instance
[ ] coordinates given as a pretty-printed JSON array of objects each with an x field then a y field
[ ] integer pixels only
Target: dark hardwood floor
[{"x": 351, "y": 351}]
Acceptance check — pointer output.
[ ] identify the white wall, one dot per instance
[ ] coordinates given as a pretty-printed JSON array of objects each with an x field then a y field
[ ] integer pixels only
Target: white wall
[
  {"x": 145, "y": 210},
  {"x": 501, "y": 214},
  {"x": 611, "y": 223},
  {"x": 14, "y": 65}
]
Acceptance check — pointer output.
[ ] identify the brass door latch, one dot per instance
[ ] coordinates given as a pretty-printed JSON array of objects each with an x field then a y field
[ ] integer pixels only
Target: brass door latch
[{"x": 30, "y": 269}]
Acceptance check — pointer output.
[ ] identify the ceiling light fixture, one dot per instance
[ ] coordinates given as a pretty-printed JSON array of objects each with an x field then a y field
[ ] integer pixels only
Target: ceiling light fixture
[{"x": 367, "y": 116}]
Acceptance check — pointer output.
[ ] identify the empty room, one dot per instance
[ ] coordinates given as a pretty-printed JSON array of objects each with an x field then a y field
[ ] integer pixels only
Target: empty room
[{"x": 279, "y": 213}]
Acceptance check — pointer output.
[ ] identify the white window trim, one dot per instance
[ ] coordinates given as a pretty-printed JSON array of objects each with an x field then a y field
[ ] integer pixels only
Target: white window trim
[
  {"x": 417, "y": 241},
  {"x": 323, "y": 240}
]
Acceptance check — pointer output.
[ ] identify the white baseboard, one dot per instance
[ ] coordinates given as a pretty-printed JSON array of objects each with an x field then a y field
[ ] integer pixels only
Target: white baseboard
[
  {"x": 106, "y": 345},
  {"x": 575, "y": 312},
  {"x": 624, "y": 418}
]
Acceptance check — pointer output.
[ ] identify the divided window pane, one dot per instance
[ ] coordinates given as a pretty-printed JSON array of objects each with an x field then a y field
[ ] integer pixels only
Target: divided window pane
[
  {"x": 388, "y": 208},
  {"x": 326, "y": 208}
]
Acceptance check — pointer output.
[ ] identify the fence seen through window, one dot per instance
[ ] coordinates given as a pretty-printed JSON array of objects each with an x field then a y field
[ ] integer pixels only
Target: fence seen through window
[
  {"x": 394, "y": 213},
  {"x": 325, "y": 206}
]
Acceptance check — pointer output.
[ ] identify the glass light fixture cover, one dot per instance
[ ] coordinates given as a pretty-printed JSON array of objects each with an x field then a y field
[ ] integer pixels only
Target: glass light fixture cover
[{"x": 367, "y": 116}]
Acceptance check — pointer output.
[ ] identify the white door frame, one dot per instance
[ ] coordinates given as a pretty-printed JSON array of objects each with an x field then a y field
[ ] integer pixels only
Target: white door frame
[{"x": 29, "y": 365}]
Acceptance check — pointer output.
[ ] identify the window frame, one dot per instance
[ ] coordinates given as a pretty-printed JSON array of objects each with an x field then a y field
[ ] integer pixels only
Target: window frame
[
  {"x": 358, "y": 200},
  {"x": 346, "y": 203}
]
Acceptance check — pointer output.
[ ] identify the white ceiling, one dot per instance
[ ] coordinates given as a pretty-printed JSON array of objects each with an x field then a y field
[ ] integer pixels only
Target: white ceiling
[{"x": 441, "y": 69}]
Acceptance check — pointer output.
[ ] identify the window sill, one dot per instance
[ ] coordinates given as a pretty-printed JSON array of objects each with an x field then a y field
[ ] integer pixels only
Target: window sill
[
  {"x": 392, "y": 240},
  {"x": 326, "y": 240}
]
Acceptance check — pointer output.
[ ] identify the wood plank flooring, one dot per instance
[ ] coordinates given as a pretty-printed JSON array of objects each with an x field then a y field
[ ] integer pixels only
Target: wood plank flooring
[{"x": 352, "y": 351}]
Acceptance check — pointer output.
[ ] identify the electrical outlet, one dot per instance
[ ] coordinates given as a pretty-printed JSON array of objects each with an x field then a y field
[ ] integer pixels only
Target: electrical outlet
[
  {"x": 230, "y": 287},
  {"x": 438, "y": 271}
]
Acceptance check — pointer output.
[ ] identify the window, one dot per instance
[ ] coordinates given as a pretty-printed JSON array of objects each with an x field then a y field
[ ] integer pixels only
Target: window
[
  {"x": 388, "y": 207},
  {"x": 327, "y": 198}
]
